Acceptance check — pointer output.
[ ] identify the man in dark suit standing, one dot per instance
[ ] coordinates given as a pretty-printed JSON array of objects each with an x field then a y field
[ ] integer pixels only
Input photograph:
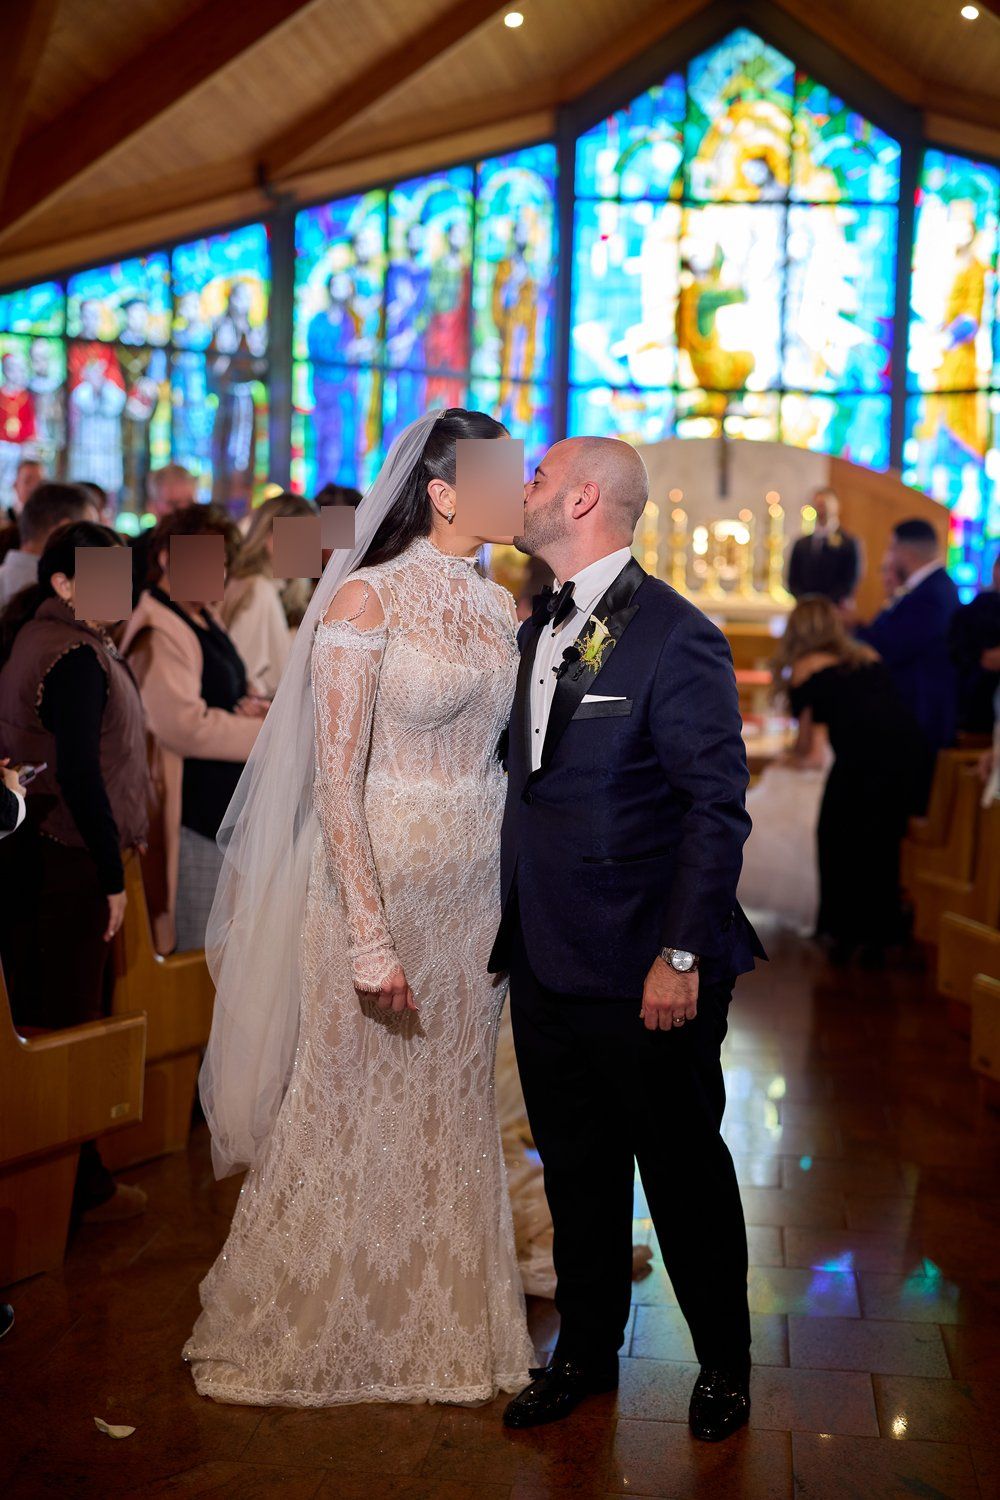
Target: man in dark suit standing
[
  {"x": 827, "y": 561},
  {"x": 911, "y": 635},
  {"x": 621, "y": 851}
]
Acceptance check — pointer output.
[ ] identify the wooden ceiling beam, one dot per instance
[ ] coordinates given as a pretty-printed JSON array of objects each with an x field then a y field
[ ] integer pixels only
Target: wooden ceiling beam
[
  {"x": 286, "y": 153},
  {"x": 27, "y": 35},
  {"x": 143, "y": 88}
]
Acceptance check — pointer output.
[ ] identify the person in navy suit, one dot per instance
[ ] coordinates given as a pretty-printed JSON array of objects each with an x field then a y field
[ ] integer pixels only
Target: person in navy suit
[
  {"x": 621, "y": 851},
  {"x": 912, "y": 637}
]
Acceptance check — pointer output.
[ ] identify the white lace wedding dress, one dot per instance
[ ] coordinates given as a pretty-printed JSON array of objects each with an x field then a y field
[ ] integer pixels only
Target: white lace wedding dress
[{"x": 371, "y": 1256}]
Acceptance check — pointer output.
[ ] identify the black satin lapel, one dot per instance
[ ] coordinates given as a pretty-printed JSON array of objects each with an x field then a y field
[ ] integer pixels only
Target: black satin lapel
[
  {"x": 616, "y": 610},
  {"x": 520, "y": 714}
]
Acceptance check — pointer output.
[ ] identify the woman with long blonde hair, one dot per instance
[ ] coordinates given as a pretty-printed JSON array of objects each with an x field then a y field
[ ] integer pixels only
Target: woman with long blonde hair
[
  {"x": 879, "y": 759},
  {"x": 253, "y": 609}
]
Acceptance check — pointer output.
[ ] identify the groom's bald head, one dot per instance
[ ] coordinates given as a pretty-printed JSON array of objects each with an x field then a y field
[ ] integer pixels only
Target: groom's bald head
[
  {"x": 617, "y": 471},
  {"x": 584, "y": 501}
]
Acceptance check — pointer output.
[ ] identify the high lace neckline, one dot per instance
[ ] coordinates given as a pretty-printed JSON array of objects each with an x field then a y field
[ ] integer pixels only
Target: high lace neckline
[{"x": 453, "y": 562}]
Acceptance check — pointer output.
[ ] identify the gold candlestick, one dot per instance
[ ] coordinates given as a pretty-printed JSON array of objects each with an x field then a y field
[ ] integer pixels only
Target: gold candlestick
[{"x": 678, "y": 549}]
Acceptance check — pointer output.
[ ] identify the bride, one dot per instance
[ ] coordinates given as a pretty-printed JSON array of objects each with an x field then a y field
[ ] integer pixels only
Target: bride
[{"x": 350, "y": 1067}]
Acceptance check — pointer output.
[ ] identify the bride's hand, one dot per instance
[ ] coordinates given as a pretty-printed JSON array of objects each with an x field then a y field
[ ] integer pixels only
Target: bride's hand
[{"x": 395, "y": 993}]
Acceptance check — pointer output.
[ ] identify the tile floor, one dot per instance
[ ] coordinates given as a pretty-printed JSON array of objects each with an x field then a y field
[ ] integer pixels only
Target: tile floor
[{"x": 871, "y": 1181}]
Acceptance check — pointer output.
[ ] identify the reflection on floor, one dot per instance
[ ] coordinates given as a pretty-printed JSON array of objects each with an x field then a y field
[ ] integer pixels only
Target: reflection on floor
[{"x": 871, "y": 1184}]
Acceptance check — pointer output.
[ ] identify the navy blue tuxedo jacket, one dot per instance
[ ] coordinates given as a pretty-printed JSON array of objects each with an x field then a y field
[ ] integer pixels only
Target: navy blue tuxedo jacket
[
  {"x": 911, "y": 636},
  {"x": 629, "y": 837}
]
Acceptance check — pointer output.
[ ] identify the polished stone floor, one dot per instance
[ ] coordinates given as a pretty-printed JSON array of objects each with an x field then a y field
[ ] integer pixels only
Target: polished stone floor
[{"x": 871, "y": 1186}]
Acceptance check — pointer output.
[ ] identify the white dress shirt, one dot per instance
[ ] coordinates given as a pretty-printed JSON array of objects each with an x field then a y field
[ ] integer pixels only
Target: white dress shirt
[{"x": 589, "y": 586}]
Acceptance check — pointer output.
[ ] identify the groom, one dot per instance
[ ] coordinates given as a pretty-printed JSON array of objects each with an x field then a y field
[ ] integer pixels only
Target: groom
[{"x": 622, "y": 844}]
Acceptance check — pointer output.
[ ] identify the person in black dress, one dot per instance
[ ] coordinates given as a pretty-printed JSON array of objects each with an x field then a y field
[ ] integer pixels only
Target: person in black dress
[
  {"x": 874, "y": 783},
  {"x": 974, "y": 643}
]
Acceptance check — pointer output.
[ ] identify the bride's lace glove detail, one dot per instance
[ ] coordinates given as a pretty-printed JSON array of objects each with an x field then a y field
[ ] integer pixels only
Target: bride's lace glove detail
[{"x": 346, "y": 662}]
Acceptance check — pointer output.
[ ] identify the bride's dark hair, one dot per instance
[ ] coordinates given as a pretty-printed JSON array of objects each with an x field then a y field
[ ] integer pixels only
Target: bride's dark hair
[{"x": 411, "y": 517}]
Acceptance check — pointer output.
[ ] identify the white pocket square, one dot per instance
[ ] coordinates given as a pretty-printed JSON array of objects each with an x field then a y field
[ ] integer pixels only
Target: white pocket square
[{"x": 600, "y": 698}]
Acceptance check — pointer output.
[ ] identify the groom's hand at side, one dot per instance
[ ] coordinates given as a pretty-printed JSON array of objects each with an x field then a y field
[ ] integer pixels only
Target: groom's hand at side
[{"x": 668, "y": 998}]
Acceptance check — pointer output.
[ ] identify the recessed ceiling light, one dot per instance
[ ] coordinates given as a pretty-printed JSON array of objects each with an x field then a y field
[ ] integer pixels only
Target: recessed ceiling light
[
  {"x": 970, "y": 12},
  {"x": 514, "y": 18}
]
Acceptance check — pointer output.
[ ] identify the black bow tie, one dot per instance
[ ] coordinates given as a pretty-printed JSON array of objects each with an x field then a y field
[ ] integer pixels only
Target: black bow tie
[{"x": 559, "y": 606}]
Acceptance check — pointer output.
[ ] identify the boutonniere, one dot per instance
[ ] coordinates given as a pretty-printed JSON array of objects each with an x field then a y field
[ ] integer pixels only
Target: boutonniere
[{"x": 589, "y": 650}]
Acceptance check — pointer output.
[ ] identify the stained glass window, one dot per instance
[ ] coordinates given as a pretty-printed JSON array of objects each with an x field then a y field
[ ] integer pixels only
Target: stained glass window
[
  {"x": 117, "y": 375},
  {"x": 734, "y": 261},
  {"x": 32, "y": 381},
  {"x": 436, "y": 292},
  {"x": 339, "y": 342},
  {"x": 219, "y": 363},
  {"x": 952, "y": 446}
]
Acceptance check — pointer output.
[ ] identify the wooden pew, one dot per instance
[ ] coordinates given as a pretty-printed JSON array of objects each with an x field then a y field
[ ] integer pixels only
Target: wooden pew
[
  {"x": 942, "y": 842},
  {"x": 176, "y": 994},
  {"x": 985, "y": 1048},
  {"x": 56, "y": 1090},
  {"x": 966, "y": 948},
  {"x": 976, "y": 894},
  {"x": 931, "y": 832}
]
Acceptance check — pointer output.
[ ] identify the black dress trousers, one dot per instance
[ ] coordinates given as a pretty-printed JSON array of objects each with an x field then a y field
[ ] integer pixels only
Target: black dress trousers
[{"x": 603, "y": 1093}]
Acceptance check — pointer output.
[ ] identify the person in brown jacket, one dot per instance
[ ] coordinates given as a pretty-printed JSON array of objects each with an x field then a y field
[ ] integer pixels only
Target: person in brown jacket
[
  {"x": 204, "y": 715},
  {"x": 69, "y": 704}
]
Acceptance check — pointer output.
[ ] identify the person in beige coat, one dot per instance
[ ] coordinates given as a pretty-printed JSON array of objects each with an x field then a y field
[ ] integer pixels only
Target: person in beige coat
[
  {"x": 203, "y": 715},
  {"x": 253, "y": 610}
]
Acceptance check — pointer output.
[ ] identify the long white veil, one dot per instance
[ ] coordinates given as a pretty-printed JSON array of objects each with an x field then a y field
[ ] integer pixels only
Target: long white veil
[{"x": 267, "y": 838}]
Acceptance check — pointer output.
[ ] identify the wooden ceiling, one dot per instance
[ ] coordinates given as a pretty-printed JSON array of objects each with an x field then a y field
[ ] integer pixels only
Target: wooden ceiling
[{"x": 122, "y": 125}]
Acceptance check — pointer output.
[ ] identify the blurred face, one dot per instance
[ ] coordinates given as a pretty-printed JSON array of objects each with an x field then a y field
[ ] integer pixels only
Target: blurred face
[
  {"x": 546, "y": 503},
  {"x": 29, "y": 477},
  {"x": 40, "y": 360},
  {"x": 827, "y": 508},
  {"x": 889, "y": 571},
  {"x": 171, "y": 492}
]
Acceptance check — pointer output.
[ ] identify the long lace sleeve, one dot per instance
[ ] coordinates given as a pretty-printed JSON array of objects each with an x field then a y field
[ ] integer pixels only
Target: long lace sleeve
[{"x": 347, "y": 659}]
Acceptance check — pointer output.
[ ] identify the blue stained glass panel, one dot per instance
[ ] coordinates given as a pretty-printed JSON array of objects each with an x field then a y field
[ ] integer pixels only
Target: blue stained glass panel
[
  {"x": 840, "y": 298},
  {"x": 638, "y": 152}
]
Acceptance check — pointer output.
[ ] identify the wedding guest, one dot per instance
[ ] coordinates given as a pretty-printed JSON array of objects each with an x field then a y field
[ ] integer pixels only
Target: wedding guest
[
  {"x": 169, "y": 488},
  {"x": 828, "y": 560},
  {"x": 974, "y": 641},
  {"x": 12, "y": 805},
  {"x": 204, "y": 718},
  {"x": 29, "y": 476},
  {"x": 876, "y": 780},
  {"x": 336, "y": 494},
  {"x": 47, "y": 507},
  {"x": 911, "y": 635},
  {"x": 253, "y": 608},
  {"x": 70, "y": 705},
  {"x": 102, "y": 503}
]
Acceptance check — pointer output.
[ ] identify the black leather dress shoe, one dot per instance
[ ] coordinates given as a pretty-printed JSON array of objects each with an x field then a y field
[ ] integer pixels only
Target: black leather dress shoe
[
  {"x": 555, "y": 1391},
  {"x": 6, "y": 1318},
  {"x": 720, "y": 1404}
]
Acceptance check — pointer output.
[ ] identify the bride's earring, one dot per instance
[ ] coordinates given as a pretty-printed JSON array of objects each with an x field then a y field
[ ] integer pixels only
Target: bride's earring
[{"x": 450, "y": 517}]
